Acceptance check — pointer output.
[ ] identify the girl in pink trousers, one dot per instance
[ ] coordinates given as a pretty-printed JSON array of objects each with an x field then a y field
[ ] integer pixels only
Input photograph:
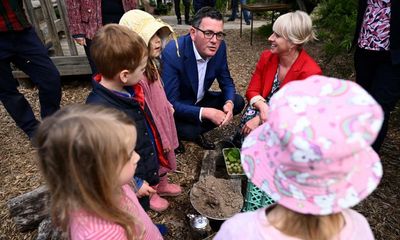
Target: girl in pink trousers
[
  {"x": 313, "y": 157},
  {"x": 154, "y": 32}
]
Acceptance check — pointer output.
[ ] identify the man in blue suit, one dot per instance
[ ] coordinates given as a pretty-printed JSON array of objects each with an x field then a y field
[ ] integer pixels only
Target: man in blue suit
[{"x": 190, "y": 66}]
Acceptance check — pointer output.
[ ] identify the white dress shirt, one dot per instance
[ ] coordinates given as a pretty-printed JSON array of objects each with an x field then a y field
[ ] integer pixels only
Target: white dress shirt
[{"x": 201, "y": 73}]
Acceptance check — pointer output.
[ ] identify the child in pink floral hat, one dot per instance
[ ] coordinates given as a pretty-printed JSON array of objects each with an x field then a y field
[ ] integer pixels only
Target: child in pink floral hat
[{"x": 313, "y": 157}]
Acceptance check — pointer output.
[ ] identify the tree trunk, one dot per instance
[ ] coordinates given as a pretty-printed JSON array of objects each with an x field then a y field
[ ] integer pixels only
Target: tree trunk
[{"x": 29, "y": 209}]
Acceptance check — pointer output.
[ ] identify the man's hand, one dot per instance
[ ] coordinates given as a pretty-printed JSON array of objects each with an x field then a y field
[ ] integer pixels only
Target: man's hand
[
  {"x": 251, "y": 125},
  {"x": 228, "y": 110},
  {"x": 262, "y": 107},
  {"x": 214, "y": 115},
  {"x": 145, "y": 190}
]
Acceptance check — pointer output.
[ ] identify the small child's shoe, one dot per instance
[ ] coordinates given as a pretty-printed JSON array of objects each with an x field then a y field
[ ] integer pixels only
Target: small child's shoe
[
  {"x": 158, "y": 203},
  {"x": 168, "y": 189}
]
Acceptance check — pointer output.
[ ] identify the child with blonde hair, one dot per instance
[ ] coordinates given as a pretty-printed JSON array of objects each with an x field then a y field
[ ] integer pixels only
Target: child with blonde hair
[
  {"x": 88, "y": 159},
  {"x": 313, "y": 157},
  {"x": 155, "y": 32},
  {"x": 120, "y": 56}
]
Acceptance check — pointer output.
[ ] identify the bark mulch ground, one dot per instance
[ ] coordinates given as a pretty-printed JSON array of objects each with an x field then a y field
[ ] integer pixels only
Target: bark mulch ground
[{"x": 19, "y": 172}]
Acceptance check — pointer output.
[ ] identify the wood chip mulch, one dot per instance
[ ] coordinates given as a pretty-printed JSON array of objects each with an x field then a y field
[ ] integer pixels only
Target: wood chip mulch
[{"x": 19, "y": 173}]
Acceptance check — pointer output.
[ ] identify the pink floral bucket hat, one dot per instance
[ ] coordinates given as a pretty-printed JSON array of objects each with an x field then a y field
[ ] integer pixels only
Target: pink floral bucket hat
[{"x": 313, "y": 155}]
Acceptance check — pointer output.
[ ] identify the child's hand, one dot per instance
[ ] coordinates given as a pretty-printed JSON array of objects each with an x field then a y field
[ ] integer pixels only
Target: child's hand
[
  {"x": 145, "y": 190},
  {"x": 166, "y": 150},
  {"x": 172, "y": 109}
]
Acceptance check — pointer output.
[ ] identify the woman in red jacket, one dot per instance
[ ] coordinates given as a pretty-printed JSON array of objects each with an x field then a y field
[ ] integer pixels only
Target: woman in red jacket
[{"x": 286, "y": 61}]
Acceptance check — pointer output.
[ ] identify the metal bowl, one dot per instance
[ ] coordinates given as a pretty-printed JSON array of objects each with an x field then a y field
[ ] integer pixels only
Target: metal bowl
[{"x": 208, "y": 216}]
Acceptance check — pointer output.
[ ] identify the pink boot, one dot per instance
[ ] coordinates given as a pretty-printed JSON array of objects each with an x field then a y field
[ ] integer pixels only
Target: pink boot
[
  {"x": 158, "y": 203},
  {"x": 168, "y": 189}
]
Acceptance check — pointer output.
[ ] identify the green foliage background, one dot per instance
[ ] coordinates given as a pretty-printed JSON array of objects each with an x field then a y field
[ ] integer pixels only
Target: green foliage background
[{"x": 336, "y": 22}]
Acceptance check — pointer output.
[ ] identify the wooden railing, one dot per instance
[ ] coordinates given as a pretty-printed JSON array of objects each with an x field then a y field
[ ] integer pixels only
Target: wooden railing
[{"x": 51, "y": 23}]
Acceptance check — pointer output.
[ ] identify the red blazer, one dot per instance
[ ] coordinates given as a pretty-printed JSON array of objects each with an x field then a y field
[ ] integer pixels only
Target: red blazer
[{"x": 263, "y": 76}]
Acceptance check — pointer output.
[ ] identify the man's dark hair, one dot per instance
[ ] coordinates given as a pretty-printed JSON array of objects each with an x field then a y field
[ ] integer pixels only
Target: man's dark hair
[{"x": 206, "y": 12}]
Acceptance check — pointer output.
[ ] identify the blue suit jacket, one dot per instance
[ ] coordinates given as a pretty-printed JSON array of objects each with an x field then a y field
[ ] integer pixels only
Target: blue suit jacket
[{"x": 180, "y": 77}]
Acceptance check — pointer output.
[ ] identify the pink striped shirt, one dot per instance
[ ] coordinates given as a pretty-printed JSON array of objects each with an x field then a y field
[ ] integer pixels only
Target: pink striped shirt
[
  {"x": 255, "y": 226},
  {"x": 84, "y": 225}
]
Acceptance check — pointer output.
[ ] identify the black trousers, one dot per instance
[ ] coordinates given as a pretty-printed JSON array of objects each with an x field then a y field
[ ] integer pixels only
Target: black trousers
[
  {"x": 186, "y": 4},
  {"x": 26, "y": 51},
  {"x": 376, "y": 74},
  {"x": 189, "y": 131},
  {"x": 197, "y": 4}
]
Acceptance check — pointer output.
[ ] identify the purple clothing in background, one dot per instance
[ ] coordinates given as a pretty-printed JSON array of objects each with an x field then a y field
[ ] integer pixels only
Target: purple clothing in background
[{"x": 85, "y": 17}]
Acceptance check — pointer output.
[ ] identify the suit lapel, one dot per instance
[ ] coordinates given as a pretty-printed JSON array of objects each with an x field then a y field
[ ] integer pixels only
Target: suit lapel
[{"x": 190, "y": 64}]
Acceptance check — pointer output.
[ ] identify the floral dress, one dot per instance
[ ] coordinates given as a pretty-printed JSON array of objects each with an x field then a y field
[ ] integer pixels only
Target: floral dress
[{"x": 251, "y": 111}]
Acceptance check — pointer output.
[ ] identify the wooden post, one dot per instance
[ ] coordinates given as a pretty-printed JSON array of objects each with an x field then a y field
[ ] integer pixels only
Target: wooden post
[
  {"x": 47, "y": 7},
  {"x": 32, "y": 18},
  {"x": 65, "y": 21}
]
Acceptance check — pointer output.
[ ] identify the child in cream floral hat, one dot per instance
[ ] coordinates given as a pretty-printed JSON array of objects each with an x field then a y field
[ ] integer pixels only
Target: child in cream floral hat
[
  {"x": 155, "y": 32},
  {"x": 313, "y": 157}
]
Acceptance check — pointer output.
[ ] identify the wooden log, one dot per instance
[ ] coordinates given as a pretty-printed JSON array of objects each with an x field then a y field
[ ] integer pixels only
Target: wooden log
[
  {"x": 47, "y": 231},
  {"x": 29, "y": 209}
]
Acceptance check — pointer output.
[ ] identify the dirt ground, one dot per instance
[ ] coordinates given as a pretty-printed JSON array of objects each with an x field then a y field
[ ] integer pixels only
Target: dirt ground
[{"x": 19, "y": 172}]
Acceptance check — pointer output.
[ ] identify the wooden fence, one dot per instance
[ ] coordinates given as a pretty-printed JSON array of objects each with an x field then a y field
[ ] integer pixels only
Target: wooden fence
[{"x": 50, "y": 20}]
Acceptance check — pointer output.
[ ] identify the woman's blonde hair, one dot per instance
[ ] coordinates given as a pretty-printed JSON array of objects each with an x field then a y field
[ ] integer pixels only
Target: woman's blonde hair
[
  {"x": 80, "y": 150},
  {"x": 295, "y": 27},
  {"x": 308, "y": 227}
]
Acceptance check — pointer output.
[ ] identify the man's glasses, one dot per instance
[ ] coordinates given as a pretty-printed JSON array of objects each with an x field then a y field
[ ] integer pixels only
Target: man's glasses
[{"x": 210, "y": 34}]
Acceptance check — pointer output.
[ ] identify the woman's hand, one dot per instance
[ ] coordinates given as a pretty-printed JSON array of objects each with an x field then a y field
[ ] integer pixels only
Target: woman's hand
[
  {"x": 262, "y": 107},
  {"x": 81, "y": 41},
  {"x": 251, "y": 125},
  {"x": 145, "y": 190}
]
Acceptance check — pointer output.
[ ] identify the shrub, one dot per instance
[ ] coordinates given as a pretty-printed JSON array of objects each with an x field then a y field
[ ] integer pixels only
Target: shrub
[{"x": 336, "y": 21}]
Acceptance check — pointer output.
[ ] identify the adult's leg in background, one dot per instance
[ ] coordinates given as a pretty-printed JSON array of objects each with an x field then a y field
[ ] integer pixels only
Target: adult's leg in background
[
  {"x": 32, "y": 59},
  {"x": 234, "y": 4},
  {"x": 246, "y": 14},
  {"x": 383, "y": 84},
  {"x": 186, "y": 4},
  {"x": 87, "y": 51},
  {"x": 197, "y": 4},
  {"x": 13, "y": 101},
  {"x": 177, "y": 7}
]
